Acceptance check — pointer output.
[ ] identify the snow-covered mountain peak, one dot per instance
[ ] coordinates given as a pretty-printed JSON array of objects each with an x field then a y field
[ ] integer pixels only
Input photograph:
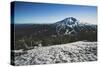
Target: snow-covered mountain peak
[
  {"x": 70, "y": 20},
  {"x": 67, "y": 24},
  {"x": 71, "y": 25}
]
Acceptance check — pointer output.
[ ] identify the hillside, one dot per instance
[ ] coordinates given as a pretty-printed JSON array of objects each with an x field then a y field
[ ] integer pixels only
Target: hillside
[{"x": 72, "y": 52}]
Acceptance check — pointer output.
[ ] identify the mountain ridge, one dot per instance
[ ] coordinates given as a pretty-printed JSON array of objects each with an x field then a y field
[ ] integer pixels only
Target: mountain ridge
[{"x": 70, "y": 25}]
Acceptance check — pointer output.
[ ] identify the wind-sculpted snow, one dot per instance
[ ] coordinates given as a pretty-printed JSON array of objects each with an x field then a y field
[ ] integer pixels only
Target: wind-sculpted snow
[{"x": 71, "y": 52}]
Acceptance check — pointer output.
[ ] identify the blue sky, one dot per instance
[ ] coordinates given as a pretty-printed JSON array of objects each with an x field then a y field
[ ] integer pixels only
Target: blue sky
[{"x": 27, "y": 12}]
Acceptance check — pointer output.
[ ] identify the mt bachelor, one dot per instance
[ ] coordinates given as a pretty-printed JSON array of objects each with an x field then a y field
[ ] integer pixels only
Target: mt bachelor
[{"x": 72, "y": 26}]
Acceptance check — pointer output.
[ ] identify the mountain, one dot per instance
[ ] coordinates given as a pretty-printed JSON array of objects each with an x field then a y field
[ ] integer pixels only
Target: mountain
[
  {"x": 65, "y": 31},
  {"x": 67, "y": 26},
  {"x": 72, "y": 26}
]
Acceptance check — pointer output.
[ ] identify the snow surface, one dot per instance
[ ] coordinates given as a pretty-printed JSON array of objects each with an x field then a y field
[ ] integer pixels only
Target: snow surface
[{"x": 72, "y": 52}]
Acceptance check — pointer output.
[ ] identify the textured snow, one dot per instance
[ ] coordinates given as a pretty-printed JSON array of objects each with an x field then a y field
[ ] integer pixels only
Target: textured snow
[{"x": 72, "y": 52}]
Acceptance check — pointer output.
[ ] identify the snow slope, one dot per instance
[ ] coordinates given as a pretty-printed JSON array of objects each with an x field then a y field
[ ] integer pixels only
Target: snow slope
[{"x": 73, "y": 52}]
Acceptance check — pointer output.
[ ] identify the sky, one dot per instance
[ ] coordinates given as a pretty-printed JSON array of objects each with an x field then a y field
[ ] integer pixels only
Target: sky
[{"x": 38, "y": 13}]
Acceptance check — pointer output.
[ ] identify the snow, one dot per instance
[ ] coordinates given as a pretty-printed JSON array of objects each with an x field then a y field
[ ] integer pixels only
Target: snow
[
  {"x": 18, "y": 51},
  {"x": 72, "y": 52}
]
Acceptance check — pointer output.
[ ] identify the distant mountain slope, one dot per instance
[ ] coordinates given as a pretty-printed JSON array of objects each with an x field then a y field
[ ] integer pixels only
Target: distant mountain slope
[{"x": 73, "y": 26}]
